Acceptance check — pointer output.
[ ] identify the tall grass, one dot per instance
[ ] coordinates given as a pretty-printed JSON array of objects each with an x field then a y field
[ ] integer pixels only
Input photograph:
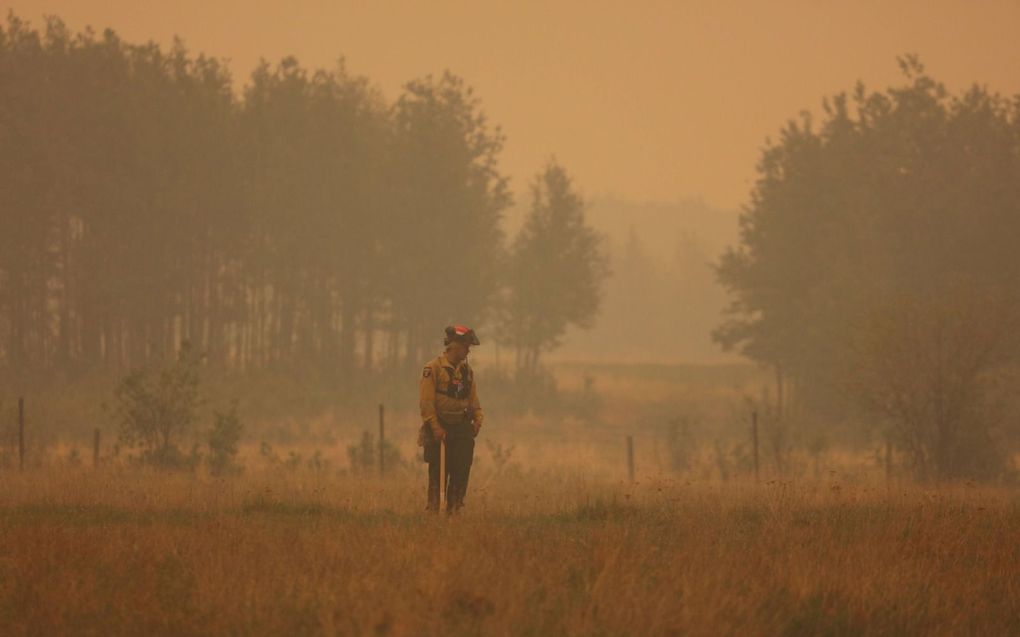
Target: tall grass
[
  {"x": 535, "y": 553},
  {"x": 553, "y": 540}
]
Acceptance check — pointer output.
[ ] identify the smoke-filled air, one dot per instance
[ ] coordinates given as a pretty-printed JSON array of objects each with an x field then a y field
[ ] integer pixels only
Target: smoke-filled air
[{"x": 562, "y": 318}]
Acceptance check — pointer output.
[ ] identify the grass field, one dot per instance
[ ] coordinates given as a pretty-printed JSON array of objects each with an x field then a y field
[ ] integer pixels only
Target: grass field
[{"x": 268, "y": 553}]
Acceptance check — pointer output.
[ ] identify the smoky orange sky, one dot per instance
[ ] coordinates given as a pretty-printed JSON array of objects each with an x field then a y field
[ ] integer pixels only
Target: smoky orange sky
[{"x": 647, "y": 100}]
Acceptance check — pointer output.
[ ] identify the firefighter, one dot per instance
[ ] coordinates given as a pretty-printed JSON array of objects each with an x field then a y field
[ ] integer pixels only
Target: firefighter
[{"x": 450, "y": 413}]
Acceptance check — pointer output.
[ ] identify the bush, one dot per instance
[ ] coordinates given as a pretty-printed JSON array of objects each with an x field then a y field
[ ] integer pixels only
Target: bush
[
  {"x": 939, "y": 369},
  {"x": 365, "y": 456},
  {"x": 223, "y": 441},
  {"x": 157, "y": 407}
]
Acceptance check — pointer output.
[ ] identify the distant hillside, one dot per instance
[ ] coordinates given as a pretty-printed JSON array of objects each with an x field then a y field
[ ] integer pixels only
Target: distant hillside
[
  {"x": 660, "y": 224},
  {"x": 662, "y": 301}
]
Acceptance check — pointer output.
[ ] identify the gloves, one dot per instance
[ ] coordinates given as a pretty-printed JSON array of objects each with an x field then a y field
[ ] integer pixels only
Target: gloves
[
  {"x": 437, "y": 431},
  {"x": 476, "y": 426}
]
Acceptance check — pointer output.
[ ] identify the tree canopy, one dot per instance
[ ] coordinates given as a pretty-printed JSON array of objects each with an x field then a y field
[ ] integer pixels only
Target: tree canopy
[
  {"x": 557, "y": 268},
  {"x": 301, "y": 221},
  {"x": 895, "y": 199}
]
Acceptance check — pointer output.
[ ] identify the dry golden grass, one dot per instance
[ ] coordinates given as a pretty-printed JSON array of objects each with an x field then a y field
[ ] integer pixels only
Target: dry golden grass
[
  {"x": 539, "y": 551},
  {"x": 129, "y": 552}
]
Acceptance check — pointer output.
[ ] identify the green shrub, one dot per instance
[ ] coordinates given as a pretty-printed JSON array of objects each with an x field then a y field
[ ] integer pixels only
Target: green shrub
[
  {"x": 223, "y": 441},
  {"x": 156, "y": 408}
]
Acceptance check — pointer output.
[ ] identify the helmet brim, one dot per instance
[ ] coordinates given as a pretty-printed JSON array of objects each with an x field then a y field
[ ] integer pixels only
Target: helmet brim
[{"x": 468, "y": 338}]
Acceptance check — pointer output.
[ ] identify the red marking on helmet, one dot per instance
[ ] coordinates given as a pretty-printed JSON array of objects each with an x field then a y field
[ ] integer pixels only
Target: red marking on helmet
[{"x": 461, "y": 330}]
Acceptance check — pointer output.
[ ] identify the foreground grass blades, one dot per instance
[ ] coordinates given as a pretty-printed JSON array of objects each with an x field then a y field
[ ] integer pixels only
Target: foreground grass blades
[{"x": 113, "y": 553}]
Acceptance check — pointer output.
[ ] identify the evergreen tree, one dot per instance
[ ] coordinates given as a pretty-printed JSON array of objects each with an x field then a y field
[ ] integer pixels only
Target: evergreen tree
[
  {"x": 556, "y": 271},
  {"x": 443, "y": 238},
  {"x": 910, "y": 193}
]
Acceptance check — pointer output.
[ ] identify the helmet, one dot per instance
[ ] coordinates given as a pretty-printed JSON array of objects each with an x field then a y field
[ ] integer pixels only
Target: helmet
[{"x": 461, "y": 333}]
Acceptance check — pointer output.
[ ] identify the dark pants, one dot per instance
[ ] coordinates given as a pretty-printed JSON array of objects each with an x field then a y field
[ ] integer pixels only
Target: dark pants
[{"x": 460, "y": 451}]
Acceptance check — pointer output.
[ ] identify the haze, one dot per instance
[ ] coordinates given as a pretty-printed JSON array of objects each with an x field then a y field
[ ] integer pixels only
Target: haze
[
  {"x": 745, "y": 363},
  {"x": 651, "y": 101}
]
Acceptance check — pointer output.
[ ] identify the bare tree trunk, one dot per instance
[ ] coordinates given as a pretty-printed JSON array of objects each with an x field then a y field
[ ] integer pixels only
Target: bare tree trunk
[
  {"x": 349, "y": 309},
  {"x": 369, "y": 330},
  {"x": 64, "y": 327},
  {"x": 779, "y": 391}
]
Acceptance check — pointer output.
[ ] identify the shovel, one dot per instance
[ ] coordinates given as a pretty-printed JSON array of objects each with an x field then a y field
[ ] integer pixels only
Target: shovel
[{"x": 442, "y": 474}]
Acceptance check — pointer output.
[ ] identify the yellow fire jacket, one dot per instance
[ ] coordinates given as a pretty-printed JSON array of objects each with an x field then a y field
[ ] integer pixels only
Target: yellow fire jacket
[{"x": 448, "y": 392}]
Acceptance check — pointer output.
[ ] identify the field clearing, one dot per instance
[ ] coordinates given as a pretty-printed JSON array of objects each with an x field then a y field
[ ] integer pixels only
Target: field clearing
[{"x": 303, "y": 552}]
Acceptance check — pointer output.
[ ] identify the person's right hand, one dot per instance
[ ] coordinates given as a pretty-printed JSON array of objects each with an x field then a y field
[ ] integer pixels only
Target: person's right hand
[{"x": 438, "y": 433}]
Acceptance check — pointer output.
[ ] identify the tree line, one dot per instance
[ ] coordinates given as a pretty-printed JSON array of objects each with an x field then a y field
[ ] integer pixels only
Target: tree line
[
  {"x": 877, "y": 272},
  {"x": 301, "y": 222}
]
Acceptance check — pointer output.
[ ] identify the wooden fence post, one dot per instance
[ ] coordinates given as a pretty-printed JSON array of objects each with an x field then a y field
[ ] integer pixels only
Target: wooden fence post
[
  {"x": 382, "y": 441},
  {"x": 754, "y": 443},
  {"x": 630, "y": 458},
  {"x": 888, "y": 462},
  {"x": 21, "y": 433}
]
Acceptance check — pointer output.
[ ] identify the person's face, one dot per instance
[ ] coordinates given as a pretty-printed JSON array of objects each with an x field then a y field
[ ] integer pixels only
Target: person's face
[{"x": 460, "y": 350}]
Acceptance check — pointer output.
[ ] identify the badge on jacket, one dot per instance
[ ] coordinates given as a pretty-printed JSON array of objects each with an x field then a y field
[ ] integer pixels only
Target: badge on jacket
[{"x": 427, "y": 372}]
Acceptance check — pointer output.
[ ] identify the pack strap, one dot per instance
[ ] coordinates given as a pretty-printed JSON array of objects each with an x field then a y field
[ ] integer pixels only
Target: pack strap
[{"x": 467, "y": 378}]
